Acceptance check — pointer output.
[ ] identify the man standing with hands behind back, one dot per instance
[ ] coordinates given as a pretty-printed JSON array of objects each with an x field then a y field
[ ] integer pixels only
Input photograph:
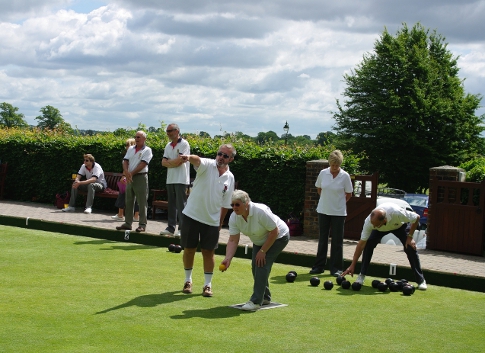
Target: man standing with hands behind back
[
  {"x": 178, "y": 177},
  {"x": 209, "y": 201},
  {"x": 135, "y": 169}
]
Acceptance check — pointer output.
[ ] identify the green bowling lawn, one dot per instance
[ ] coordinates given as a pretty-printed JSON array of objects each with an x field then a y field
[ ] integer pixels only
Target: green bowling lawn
[{"x": 62, "y": 293}]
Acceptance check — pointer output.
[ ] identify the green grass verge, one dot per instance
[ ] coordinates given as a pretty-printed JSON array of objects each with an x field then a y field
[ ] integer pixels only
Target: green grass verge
[{"x": 64, "y": 293}]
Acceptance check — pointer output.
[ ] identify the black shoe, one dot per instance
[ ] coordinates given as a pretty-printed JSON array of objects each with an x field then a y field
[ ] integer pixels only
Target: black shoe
[{"x": 316, "y": 270}]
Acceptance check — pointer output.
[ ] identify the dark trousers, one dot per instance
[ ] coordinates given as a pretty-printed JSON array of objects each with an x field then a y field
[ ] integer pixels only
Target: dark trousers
[
  {"x": 177, "y": 198},
  {"x": 400, "y": 233},
  {"x": 333, "y": 225}
]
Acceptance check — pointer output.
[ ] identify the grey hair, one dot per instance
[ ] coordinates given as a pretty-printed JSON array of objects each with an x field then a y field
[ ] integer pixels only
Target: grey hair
[
  {"x": 231, "y": 147},
  {"x": 240, "y": 195},
  {"x": 174, "y": 126}
]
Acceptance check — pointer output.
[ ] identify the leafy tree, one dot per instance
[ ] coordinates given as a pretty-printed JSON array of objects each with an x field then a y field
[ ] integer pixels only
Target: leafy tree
[
  {"x": 204, "y": 134},
  {"x": 407, "y": 110},
  {"x": 9, "y": 116},
  {"x": 265, "y": 137},
  {"x": 51, "y": 119},
  {"x": 325, "y": 138}
]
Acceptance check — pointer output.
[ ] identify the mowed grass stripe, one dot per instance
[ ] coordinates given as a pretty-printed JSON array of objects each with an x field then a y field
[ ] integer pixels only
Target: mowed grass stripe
[{"x": 63, "y": 293}]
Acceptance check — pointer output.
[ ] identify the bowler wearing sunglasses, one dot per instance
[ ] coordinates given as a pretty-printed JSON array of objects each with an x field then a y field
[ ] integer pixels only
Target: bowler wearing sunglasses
[
  {"x": 94, "y": 182},
  {"x": 209, "y": 201},
  {"x": 269, "y": 235}
]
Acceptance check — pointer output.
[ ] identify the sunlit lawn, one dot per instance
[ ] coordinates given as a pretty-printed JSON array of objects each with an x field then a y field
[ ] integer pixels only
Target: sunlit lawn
[{"x": 62, "y": 293}]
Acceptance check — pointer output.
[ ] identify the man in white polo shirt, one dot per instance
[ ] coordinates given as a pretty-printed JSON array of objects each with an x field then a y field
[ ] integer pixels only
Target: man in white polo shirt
[
  {"x": 178, "y": 178},
  {"x": 384, "y": 219},
  {"x": 95, "y": 182},
  {"x": 209, "y": 201},
  {"x": 135, "y": 169}
]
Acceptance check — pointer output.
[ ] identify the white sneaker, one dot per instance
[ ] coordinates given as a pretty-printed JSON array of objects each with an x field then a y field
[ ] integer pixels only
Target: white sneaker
[
  {"x": 135, "y": 219},
  {"x": 68, "y": 209},
  {"x": 250, "y": 306},
  {"x": 117, "y": 218},
  {"x": 88, "y": 210},
  {"x": 168, "y": 231},
  {"x": 266, "y": 302},
  {"x": 177, "y": 234},
  {"x": 360, "y": 279},
  {"x": 422, "y": 286}
]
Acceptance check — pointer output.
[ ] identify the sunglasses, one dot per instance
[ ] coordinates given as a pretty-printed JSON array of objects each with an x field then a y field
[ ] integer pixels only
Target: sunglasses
[
  {"x": 87, "y": 160},
  {"x": 237, "y": 204},
  {"x": 170, "y": 130},
  {"x": 223, "y": 154}
]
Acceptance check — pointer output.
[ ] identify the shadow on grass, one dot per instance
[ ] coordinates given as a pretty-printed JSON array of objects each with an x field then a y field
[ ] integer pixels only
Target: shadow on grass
[
  {"x": 220, "y": 312},
  {"x": 130, "y": 246},
  {"x": 149, "y": 301}
]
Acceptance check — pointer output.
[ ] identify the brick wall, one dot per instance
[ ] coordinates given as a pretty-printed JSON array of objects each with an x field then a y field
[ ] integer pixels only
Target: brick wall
[{"x": 310, "y": 216}]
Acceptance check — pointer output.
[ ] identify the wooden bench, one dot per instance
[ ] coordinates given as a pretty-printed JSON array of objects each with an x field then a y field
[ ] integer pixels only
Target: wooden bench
[{"x": 111, "y": 192}]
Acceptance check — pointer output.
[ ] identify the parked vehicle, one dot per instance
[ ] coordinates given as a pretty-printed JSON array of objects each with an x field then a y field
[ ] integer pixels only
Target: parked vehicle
[{"x": 419, "y": 203}]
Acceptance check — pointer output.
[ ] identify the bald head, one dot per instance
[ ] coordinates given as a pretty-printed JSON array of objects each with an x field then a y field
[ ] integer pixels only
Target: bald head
[{"x": 378, "y": 217}]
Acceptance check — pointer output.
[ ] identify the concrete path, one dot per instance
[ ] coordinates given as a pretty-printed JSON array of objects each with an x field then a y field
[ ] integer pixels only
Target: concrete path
[{"x": 450, "y": 263}]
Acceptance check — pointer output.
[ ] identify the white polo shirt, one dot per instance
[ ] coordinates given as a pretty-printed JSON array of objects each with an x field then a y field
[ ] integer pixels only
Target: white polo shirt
[
  {"x": 134, "y": 158},
  {"x": 260, "y": 222},
  {"x": 395, "y": 216},
  {"x": 180, "y": 174},
  {"x": 209, "y": 194},
  {"x": 332, "y": 200},
  {"x": 95, "y": 171}
]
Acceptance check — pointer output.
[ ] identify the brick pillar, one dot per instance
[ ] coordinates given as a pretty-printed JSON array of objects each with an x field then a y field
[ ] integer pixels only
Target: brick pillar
[
  {"x": 445, "y": 172},
  {"x": 310, "y": 216}
]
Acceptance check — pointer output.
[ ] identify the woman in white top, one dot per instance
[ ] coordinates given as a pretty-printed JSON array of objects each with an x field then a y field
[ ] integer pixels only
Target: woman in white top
[
  {"x": 269, "y": 235},
  {"x": 335, "y": 189}
]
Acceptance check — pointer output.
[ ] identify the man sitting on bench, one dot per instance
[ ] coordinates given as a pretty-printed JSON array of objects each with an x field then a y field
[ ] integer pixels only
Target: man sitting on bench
[{"x": 95, "y": 182}]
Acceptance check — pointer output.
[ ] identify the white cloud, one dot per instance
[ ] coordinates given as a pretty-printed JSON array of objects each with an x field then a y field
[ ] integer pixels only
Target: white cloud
[{"x": 237, "y": 66}]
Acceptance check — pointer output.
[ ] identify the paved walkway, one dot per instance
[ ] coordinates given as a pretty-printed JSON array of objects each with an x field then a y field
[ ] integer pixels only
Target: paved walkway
[{"x": 385, "y": 254}]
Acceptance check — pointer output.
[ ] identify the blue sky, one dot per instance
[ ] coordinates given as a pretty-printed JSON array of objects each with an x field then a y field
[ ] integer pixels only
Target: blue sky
[{"x": 214, "y": 66}]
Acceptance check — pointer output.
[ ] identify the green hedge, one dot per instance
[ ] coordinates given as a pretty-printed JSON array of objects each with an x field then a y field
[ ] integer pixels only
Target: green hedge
[{"x": 40, "y": 164}]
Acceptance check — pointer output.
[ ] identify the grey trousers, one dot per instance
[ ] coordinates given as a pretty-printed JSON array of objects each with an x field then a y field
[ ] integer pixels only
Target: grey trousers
[
  {"x": 91, "y": 189},
  {"x": 177, "y": 198},
  {"x": 137, "y": 189},
  {"x": 261, "y": 274}
]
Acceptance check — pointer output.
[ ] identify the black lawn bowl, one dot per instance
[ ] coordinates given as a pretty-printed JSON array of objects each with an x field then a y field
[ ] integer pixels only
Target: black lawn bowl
[
  {"x": 345, "y": 284},
  {"x": 340, "y": 279},
  {"x": 382, "y": 287},
  {"x": 375, "y": 283},
  {"x": 388, "y": 280},
  {"x": 400, "y": 285},
  {"x": 328, "y": 285},
  {"x": 315, "y": 281},
  {"x": 407, "y": 290},
  {"x": 178, "y": 248},
  {"x": 294, "y": 272},
  {"x": 290, "y": 277},
  {"x": 356, "y": 286},
  {"x": 394, "y": 287},
  {"x": 171, "y": 247}
]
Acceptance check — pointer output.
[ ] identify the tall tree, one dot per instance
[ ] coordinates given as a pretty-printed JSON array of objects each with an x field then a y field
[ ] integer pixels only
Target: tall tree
[
  {"x": 51, "y": 119},
  {"x": 264, "y": 137},
  {"x": 9, "y": 116},
  {"x": 406, "y": 108}
]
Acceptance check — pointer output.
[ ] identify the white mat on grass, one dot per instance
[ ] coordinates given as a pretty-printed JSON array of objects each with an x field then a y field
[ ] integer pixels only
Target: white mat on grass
[{"x": 272, "y": 305}]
